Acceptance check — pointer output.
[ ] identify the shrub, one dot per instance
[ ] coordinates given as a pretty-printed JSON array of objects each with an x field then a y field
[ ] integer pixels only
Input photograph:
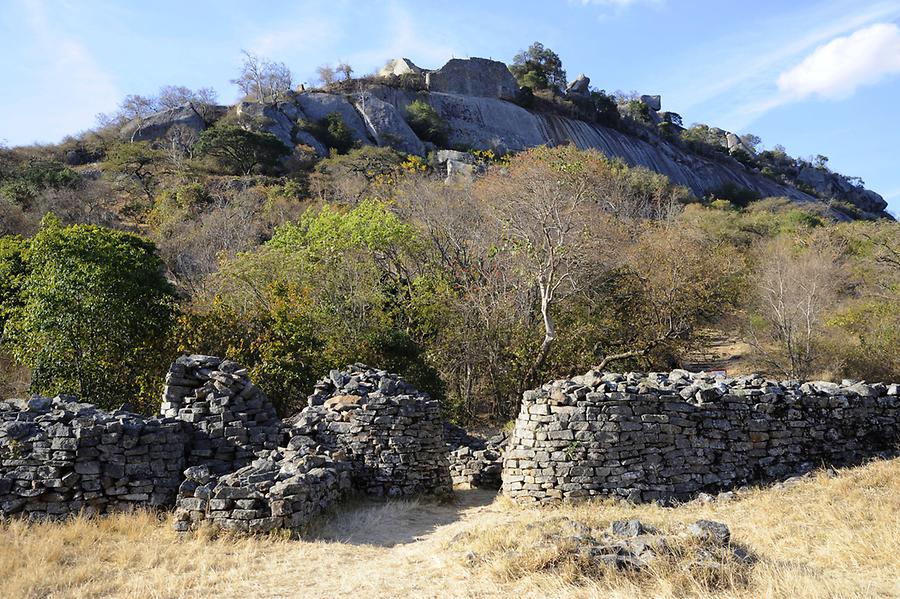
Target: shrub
[
  {"x": 92, "y": 309},
  {"x": 736, "y": 194},
  {"x": 331, "y": 131},
  {"x": 425, "y": 121}
]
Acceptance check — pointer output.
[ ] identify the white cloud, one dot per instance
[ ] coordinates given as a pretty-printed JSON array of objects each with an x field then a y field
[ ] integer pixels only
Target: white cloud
[{"x": 837, "y": 69}]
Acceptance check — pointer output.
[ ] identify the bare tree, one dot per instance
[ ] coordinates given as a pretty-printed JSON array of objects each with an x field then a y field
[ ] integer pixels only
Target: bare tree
[
  {"x": 795, "y": 287},
  {"x": 327, "y": 74},
  {"x": 262, "y": 79},
  {"x": 543, "y": 209}
]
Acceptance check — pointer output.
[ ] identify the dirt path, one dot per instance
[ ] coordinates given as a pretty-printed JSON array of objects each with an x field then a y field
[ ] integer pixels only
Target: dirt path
[{"x": 380, "y": 550}]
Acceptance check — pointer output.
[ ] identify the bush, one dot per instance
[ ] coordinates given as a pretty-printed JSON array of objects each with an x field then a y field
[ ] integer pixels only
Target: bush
[
  {"x": 425, "y": 121},
  {"x": 736, "y": 194},
  {"x": 91, "y": 313}
]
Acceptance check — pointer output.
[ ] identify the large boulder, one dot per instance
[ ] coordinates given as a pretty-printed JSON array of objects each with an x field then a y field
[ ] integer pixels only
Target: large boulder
[
  {"x": 654, "y": 102},
  {"x": 158, "y": 124},
  {"x": 386, "y": 126},
  {"x": 269, "y": 118},
  {"x": 473, "y": 77},
  {"x": 580, "y": 86},
  {"x": 318, "y": 105}
]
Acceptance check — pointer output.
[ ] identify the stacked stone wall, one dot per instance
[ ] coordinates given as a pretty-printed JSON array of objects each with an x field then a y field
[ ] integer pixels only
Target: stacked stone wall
[
  {"x": 391, "y": 434},
  {"x": 59, "y": 456},
  {"x": 672, "y": 436}
]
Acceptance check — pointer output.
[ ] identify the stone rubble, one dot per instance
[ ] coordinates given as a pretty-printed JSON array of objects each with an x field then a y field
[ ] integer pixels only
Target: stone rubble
[
  {"x": 671, "y": 436},
  {"x": 474, "y": 462}
]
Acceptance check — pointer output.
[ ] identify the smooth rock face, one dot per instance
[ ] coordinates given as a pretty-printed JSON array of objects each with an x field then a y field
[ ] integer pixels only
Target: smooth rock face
[
  {"x": 473, "y": 77},
  {"x": 665, "y": 436},
  {"x": 269, "y": 118},
  {"x": 317, "y": 106},
  {"x": 157, "y": 125},
  {"x": 387, "y": 126}
]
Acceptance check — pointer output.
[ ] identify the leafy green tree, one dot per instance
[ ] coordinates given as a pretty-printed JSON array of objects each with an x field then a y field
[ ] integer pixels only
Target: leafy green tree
[
  {"x": 91, "y": 313},
  {"x": 12, "y": 273},
  {"x": 24, "y": 181},
  {"x": 538, "y": 68},
  {"x": 332, "y": 131},
  {"x": 240, "y": 151}
]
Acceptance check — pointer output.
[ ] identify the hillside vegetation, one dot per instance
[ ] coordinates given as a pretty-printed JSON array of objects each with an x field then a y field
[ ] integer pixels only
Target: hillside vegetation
[{"x": 117, "y": 253}]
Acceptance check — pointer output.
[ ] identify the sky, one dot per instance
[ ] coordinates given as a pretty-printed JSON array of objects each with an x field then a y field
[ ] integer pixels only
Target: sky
[{"x": 818, "y": 77}]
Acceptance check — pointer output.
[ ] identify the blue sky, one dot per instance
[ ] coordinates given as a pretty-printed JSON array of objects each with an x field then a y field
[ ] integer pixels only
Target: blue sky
[{"x": 817, "y": 77}]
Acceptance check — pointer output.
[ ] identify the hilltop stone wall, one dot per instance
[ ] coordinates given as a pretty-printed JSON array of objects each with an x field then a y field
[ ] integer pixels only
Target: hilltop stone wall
[{"x": 672, "y": 436}]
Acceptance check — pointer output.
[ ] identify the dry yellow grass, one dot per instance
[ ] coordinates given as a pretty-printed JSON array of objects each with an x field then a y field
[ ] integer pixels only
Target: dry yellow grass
[{"x": 825, "y": 537}]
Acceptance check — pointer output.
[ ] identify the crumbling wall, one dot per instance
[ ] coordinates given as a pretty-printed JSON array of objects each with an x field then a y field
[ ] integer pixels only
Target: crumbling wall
[
  {"x": 391, "y": 433},
  {"x": 672, "y": 435}
]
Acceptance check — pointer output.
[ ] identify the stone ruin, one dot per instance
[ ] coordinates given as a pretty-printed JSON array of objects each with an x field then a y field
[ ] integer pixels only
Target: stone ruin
[
  {"x": 221, "y": 456},
  {"x": 672, "y": 436},
  {"x": 475, "y": 462},
  {"x": 219, "y": 453},
  {"x": 59, "y": 456}
]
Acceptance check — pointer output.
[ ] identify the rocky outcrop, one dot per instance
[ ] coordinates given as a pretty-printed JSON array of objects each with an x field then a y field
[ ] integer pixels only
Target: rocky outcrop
[
  {"x": 316, "y": 106},
  {"x": 470, "y": 95},
  {"x": 387, "y": 126},
  {"x": 473, "y": 77},
  {"x": 158, "y": 124},
  {"x": 667, "y": 436},
  {"x": 652, "y": 102}
]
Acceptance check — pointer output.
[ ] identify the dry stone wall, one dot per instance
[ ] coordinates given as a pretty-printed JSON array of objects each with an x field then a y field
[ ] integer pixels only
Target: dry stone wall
[
  {"x": 231, "y": 418},
  {"x": 475, "y": 462},
  {"x": 664, "y": 436},
  {"x": 59, "y": 456},
  {"x": 391, "y": 434}
]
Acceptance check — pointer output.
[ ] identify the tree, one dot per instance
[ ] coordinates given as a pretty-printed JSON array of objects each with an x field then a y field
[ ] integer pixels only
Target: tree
[
  {"x": 751, "y": 141},
  {"x": 137, "y": 161},
  {"x": 261, "y": 79},
  {"x": 326, "y": 74},
  {"x": 795, "y": 288},
  {"x": 12, "y": 274},
  {"x": 92, "y": 310},
  {"x": 238, "y": 150},
  {"x": 425, "y": 121},
  {"x": 539, "y": 68},
  {"x": 173, "y": 96},
  {"x": 542, "y": 207},
  {"x": 345, "y": 69}
]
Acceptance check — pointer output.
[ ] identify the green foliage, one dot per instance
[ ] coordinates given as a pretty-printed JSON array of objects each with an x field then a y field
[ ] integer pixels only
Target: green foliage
[
  {"x": 93, "y": 309},
  {"x": 23, "y": 182},
  {"x": 607, "y": 113},
  {"x": 138, "y": 161},
  {"x": 12, "y": 275},
  {"x": 425, "y": 121},
  {"x": 239, "y": 151},
  {"x": 331, "y": 131},
  {"x": 328, "y": 290},
  {"x": 538, "y": 68}
]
